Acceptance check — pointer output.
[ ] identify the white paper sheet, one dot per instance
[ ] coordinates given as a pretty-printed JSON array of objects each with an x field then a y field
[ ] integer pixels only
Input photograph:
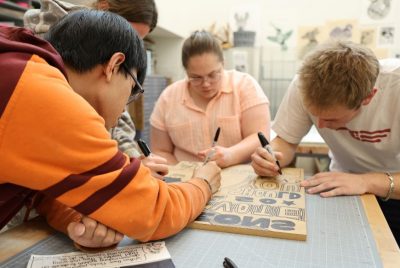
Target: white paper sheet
[{"x": 130, "y": 255}]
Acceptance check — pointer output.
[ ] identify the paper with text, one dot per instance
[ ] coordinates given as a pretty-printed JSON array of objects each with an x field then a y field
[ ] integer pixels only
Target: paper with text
[{"x": 130, "y": 255}]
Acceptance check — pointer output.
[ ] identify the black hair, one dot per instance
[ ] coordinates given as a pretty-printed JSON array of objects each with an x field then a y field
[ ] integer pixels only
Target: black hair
[{"x": 87, "y": 38}]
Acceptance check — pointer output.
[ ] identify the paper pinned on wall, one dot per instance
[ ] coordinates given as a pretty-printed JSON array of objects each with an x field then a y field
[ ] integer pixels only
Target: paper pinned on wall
[{"x": 119, "y": 257}]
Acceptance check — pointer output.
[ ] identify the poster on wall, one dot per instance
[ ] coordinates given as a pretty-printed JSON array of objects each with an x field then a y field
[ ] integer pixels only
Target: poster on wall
[
  {"x": 343, "y": 30},
  {"x": 308, "y": 37},
  {"x": 386, "y": 36},
  {"x": 381, "y": 53},
  {"x": 368, "y": 36}
]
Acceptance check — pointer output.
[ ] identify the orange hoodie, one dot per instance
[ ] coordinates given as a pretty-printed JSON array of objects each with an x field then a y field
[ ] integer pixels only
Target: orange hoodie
[{"x": 54, "y": 142}]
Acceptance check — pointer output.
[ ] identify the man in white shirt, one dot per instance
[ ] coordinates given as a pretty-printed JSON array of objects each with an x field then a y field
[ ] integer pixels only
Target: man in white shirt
[{"x": 354, "y": 102}]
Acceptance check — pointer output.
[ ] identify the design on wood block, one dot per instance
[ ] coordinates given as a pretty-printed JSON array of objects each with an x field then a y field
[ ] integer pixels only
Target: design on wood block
[{"x": 248, "y": 204}]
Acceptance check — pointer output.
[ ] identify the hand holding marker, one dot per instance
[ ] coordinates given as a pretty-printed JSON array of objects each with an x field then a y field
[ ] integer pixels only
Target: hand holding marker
[
  {"x": 146, "y": 151},
  {"x": 265, "y": 144},
  {"x": 212, "y": 152}
]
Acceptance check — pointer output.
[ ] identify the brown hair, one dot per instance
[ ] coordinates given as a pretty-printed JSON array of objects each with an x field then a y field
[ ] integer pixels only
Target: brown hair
[
  {"x": 198, "y": 43},
  {"x": 139, "y": 11},
  {"x": 338, "y": 73}
]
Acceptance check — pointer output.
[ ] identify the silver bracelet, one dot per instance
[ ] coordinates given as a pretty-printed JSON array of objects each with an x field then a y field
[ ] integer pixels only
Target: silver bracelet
[{"x": 391, "y": 187}]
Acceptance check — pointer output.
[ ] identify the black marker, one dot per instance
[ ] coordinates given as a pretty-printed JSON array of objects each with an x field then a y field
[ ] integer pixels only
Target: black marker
[
  {"x": 143, "y": 147},
  {"x": 145, "y": 150},
  {"x": 212, "y": 152},
  {"x": 216, "y": 136},
  {"x": 228, "y": 263},
  {"x": 265, "y": 144}
]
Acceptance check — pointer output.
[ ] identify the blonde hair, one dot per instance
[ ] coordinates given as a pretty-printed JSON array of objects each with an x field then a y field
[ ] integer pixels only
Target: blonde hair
[
  {"x": 338, "y": 73},
  {"x": 140, "y": 11}
]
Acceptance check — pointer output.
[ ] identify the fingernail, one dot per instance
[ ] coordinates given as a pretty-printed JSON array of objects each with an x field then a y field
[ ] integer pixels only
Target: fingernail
[{"x": 80, "y": 229}]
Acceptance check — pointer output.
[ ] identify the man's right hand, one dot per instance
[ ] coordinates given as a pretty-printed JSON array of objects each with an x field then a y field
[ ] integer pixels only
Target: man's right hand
[
  {"x": 264, "y": 164},
  {"x": 211, "y": 173}
]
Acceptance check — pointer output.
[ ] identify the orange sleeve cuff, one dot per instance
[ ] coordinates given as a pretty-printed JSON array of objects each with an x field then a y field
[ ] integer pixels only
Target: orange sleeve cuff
[{"x": 57, "y": 214}]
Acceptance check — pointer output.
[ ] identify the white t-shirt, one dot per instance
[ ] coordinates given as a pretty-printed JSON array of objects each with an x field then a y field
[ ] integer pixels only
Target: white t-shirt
[{"x": 369, "y": 142}]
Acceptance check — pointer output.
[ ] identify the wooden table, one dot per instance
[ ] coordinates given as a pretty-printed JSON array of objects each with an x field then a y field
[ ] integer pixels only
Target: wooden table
[
  {"x": 312, "y": 149},
  {"x": 312, "y": 144},
  {"x": 18, "y": 239}
]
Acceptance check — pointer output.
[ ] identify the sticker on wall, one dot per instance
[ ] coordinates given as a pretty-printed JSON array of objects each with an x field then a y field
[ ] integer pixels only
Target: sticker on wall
[
  {"x": 280, "y": 37},
  {"x": 386, "y": 36},
  {"x": 379, "y": 9}
]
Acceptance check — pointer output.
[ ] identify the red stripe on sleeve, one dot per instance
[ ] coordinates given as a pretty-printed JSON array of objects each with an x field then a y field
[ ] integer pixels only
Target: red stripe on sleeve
[
  {"x": 76, "y": 180},
  {"x": 100, "y": 197}
]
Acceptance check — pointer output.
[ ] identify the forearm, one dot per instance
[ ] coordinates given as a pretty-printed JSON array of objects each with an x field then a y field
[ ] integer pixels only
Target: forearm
[
  {"x": 149, "y": 214},
  {"x": 288, "y": 150},
  {"x": 171, "y": 159},
  {"x": 379, "y": 184},
  {"x": 241, "y": 152},
  {"x": 173, "y": 222}
]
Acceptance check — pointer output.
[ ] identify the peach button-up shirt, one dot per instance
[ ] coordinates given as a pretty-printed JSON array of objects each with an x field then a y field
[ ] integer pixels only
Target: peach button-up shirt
[{"x": 192, "y": 129}]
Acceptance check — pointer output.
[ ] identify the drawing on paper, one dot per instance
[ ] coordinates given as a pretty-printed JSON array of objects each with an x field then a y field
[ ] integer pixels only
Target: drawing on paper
[
  {"x": 386, "y": 35},
  {"x": 368, "y": 37},
  {"x": 308, "y": 42},
  {"x": 128, "y": 256},
  {"x": 343, "y": 30}
]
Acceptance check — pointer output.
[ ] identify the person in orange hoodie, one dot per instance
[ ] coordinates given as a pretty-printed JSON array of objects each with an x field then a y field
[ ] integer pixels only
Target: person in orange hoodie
[
  {"x": 54, "y": 140},
  {"x": 142, "y": 15}
]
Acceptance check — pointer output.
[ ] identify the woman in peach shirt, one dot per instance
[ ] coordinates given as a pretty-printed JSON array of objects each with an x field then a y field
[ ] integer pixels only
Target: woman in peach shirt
[{"x": 189, "y": 111}]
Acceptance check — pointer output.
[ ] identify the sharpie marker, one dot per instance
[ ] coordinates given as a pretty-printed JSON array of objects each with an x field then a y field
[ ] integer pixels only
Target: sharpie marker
[
  {"x": 212, "y": 152},
  {"x": 265, "y": 144},
  {"x": 143, "y": 147},
  {"x": 145, "y": 150}
]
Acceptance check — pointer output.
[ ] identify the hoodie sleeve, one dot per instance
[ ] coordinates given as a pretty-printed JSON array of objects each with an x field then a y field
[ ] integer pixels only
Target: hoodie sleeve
[
  {"x": 53, "y": 141},
  {"x": 57, "y": 214}
]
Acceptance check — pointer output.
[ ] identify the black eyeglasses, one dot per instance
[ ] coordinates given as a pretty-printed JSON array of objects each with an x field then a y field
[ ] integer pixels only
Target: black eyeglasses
[{"x": 137, "y": 90}]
